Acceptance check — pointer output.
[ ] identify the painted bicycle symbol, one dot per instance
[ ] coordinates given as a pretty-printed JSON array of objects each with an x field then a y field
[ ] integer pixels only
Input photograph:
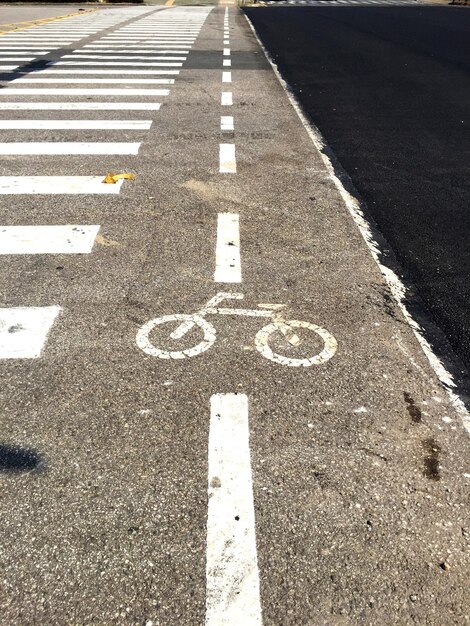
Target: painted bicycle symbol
[{"x": 277, "y": 329}]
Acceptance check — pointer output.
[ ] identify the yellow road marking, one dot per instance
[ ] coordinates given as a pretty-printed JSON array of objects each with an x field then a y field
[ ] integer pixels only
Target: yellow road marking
[
  {"x": 169, "y": 3},
  {"x": 15, "y": 26}
]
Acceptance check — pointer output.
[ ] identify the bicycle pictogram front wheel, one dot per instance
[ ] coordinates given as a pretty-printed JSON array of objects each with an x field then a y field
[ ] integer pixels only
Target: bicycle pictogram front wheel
[
  {"x": 145, "y": 344},
  {"x": 268, "y": 332}
]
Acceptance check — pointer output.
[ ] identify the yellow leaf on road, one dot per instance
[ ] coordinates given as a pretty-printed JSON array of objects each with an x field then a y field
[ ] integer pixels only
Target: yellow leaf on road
[{"x": 113, "y": 178}]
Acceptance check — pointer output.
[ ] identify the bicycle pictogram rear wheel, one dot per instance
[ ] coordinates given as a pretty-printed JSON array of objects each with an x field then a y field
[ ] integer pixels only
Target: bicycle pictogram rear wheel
[
  {"x": 267, "y": 332},
  {"x": 144, "y": 343}
]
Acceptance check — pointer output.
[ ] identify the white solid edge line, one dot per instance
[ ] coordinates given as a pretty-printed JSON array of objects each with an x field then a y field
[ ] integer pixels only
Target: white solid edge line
[
  {"x": 24, "y": 330},
  {"x": 232, "y": 574},
  {"x": 228, "y": 163},
  {"x": 227, "y": 251},
  {"x": 68, "y": 239},
  {"x": 396, "y": 286}
]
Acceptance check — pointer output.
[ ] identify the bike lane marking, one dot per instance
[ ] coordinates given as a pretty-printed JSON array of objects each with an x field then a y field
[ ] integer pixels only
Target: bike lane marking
[
  {"x": 232, "y": 575},
  {"x": 227, "y": 253}
]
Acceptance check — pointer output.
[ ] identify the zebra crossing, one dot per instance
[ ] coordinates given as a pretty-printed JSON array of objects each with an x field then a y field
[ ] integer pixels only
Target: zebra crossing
[{"x": 77, "y": 66}]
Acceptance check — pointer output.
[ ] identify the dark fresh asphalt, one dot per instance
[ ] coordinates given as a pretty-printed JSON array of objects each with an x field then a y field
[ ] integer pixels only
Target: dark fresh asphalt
[{"x": 389, "y": 89}]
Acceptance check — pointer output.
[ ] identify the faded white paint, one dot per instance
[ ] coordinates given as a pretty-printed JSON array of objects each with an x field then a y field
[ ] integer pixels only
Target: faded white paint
[
  {"x": 227, "y": 252},
  {"x": 24, "y": 330},
  {"x": 69, "y": 239},
  {"x": 232, "y": 575}
]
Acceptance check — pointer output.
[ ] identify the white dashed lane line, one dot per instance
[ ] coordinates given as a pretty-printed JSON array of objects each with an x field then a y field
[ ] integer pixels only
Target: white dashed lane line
[
  {"x": 226, "y": 122},
  {"x": 232, "y": 575},
  {"x": 228, "y": 163},
  {"x": 227, "y": 253}
]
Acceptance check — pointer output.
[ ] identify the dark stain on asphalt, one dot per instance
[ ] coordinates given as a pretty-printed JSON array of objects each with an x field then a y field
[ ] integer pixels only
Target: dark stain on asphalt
[
  {"x": 413, "y": 410},
  {"x": 431, "y": 460},
  {"x": 16, "y": 459}
]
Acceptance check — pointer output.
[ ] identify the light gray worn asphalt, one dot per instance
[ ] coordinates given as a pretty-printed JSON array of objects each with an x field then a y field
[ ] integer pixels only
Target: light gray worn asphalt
[
  {"x": 25, "y": 12},
  {"x": 358, "y": 464}
]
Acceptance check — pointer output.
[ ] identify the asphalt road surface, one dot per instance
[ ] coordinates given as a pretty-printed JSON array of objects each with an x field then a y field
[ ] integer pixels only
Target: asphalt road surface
[
  {"x": 174, "y": 450},
  {"x": 23, "y": 13},
  {"x": 388, "y": 88}
]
